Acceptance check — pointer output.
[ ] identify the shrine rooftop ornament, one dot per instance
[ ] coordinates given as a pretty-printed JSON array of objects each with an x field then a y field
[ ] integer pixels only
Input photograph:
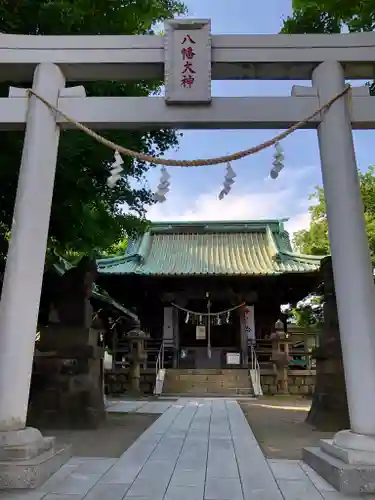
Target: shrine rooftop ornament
[
  {"x": 278, "y": 164},
  {"x": 228, "y": 181},
  {"x": 163, "y": 187},
  {"x": 115, "y": 169}
]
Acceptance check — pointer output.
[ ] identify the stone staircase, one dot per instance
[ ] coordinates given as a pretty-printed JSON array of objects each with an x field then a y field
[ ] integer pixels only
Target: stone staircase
[{"x": 208, "y": 382}]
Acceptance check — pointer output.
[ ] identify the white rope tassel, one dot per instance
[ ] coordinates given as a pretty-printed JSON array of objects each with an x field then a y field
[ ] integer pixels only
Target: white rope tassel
[
  {"x": 228, "y": 181},
  {"x": 277, "y": 163},
  {"x": 163, "y": 187},
  {"x": 115, "y": 169}
]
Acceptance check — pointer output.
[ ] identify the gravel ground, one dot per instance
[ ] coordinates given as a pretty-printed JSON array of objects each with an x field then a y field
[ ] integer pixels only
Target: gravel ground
[
  {"x": 111, "y": 440},
  {"x": 279, "y": 426}
]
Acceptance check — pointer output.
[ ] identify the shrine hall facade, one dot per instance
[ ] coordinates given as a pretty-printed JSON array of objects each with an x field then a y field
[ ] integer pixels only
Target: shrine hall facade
[{"x": 209, "y": 289}]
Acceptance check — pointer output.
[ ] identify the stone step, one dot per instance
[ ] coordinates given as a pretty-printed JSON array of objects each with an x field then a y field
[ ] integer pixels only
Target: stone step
[
  {"x": 208, "y": 381},
  {"x": 228, "y": 392},
  {"x": 213, "y": 386},
  {"x": 205, "y": 376},
  {"x": 246, "y": 394},
  {"x": 206, "y": 371},
  {"x": 218, "y": 384}
]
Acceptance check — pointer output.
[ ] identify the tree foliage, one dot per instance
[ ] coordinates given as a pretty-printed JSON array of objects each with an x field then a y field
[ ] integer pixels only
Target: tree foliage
[
  {"x": 330, "y": 16},
  {"x": 86, "y": 214},
  {"x": 315, "y": 239},
  {"x": 308, "y": 312},
  {"x": 333, "y": 16}
]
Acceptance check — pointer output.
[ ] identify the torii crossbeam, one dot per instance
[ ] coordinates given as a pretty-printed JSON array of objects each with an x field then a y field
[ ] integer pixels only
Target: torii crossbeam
[{"x": 327, "y": 60}]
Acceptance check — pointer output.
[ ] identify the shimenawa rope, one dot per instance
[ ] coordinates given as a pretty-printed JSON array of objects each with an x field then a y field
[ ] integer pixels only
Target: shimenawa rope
[
  {"x": 217, "y": 313},
  {"x": 190, "y": 163}
]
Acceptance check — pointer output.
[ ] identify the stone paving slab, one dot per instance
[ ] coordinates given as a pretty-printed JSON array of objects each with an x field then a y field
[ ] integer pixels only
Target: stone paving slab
[
  {"x": 124, "y": 406},
  {"x": 131, "y": 406},
  {"x": 199, "y": 449},
  {"x": 154, "y": 407},
  {"x": 297, "y": 481}
]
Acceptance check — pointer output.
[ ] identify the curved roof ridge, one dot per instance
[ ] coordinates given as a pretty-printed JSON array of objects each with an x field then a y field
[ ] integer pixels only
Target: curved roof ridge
[
  {"x": 301, "y": 256},
  {"x": 221, "y": 221},
  {"x": 230, "y": 225}
]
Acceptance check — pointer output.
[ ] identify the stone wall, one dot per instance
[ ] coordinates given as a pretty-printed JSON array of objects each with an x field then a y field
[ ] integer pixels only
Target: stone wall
[
  {"x": 67, "y": 390},
  {"x": 67, "y": 380},
  {"x": 300, "y": 382},
  {"x": 118, "y": 382}
]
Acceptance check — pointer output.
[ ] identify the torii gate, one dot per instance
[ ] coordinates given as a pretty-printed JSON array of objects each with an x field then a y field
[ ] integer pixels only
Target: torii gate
[{"x": 326, "y": 59}]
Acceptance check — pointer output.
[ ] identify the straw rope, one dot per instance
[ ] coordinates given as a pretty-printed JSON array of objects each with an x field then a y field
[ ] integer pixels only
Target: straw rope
[
  {"x": 189, "y": 163},
  {"x": 217, "y": 313}
]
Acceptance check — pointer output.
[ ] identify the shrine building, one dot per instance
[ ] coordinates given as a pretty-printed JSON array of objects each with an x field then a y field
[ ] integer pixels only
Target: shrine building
[{"x": 208, "y": 289}]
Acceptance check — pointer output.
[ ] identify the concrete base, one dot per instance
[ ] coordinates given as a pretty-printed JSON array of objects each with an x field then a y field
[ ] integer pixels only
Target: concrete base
[
  {"x": 348, "y": 455},
  {"x": 27, "y": 459},
  {"x": 349, "y": 479}
]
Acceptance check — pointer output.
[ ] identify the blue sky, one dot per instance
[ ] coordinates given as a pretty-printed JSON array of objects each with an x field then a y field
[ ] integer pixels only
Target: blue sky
[{"x": 194, "y": 191}]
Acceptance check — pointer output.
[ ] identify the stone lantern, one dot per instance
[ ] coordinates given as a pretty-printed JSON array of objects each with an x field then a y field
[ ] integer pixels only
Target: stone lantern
[
  {"x": 280, "y": 357},
  {"x": 137, "y": 355}
]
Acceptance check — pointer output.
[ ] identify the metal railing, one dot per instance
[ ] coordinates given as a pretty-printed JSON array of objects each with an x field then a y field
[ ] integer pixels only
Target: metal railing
[
  {"x": 255, "y": 372},
  {"x": 159, "y": 371},
  {"x": 300, "y": 359},
  {"x": 122, "y": 348},
  {"x": 160, "y": 359}
]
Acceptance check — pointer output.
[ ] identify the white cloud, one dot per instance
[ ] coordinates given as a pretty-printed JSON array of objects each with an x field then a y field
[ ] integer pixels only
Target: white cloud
[
  {"x": 288, "y": 198},
  {"x": 252, "y": 206},
  {"x": 298, "y": 222}
]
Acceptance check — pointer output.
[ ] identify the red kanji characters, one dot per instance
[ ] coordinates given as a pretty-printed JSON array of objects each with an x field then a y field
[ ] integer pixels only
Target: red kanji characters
[
  {"x": 188, "y": 68},
  {"x": 187, "y": 81},
  {"x": 187, "y": 38},
  {"x": 187, "y": 53}
]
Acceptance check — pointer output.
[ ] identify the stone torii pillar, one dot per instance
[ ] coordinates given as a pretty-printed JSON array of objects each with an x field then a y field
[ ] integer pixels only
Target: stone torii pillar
[
  {"x": 355, "y": 294},
  {"x": 21, "y": 292}
]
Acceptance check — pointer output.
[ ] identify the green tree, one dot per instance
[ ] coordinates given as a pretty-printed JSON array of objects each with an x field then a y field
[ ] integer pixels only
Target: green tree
[
  {"x": 116, "y": 249},
  {"x": 86, "y": 214},
  {"x": 315, "y": 239},
  {"x": 329, "y": 409},
  {"x": 330, "y": 16},
  {"x": 333, "y": 16},
  {"x": 308, "y": 312}
]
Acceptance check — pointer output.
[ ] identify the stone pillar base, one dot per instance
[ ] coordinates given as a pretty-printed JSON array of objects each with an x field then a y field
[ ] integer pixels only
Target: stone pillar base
[
  {"x": 67, "y": 389},
  {"x": 27, "y": 459},
  {"x": 347, "y": 462}
]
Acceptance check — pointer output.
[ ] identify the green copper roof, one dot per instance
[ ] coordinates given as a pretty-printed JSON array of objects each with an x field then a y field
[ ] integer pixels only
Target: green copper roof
[{"x": 243, "y": 248}]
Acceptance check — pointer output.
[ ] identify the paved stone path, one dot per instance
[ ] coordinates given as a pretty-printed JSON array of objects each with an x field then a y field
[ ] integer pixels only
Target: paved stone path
[
  {"x": 138, "y": 406},
  {"x": 197, "y": 450}
]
